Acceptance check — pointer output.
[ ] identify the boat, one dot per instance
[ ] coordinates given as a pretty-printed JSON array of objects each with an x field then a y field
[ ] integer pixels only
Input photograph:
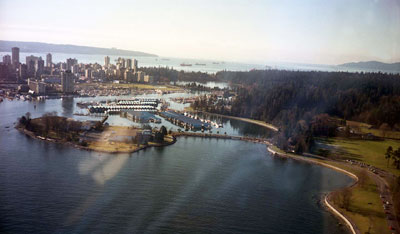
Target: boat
[
  {"x": 215, "y": 62},
  {"x": 186, "y": 65},
  {"x": 200, "y": 64}
]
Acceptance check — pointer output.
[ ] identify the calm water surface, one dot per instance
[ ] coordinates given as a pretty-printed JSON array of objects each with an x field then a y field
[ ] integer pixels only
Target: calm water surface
[{"x": 194, "y": 186}]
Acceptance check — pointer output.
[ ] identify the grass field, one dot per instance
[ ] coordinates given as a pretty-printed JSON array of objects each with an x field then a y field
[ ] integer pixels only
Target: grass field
[
  {"x": 366, "y": 207},
  {"x": 108, "y": 141},
  {"x": 370, "y": 152}
]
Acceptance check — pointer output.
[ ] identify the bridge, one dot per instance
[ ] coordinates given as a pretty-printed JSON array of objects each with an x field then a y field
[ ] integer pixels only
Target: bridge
[{"x": 223, "y": 136}]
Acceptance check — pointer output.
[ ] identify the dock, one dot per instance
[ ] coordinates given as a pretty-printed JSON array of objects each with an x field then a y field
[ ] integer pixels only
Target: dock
[{"x": 184, "y": 121}]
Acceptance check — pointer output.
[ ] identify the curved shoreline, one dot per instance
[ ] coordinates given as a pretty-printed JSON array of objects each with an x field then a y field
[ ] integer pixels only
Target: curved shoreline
[
  {"x": 349, "y": 223},
  {"x": 333, "y": 210},
  {"x": 253, "y": 121},
  {"x": 353, "y": 228}
]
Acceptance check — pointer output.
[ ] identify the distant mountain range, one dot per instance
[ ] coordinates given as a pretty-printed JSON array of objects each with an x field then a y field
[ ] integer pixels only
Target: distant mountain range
[
  {"x": 373, "y": 65},
  {"x": 39, "y": 47}
]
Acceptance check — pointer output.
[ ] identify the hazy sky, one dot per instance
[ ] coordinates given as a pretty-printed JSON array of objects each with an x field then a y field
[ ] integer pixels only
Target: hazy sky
[{"x": 314, "y": 31}]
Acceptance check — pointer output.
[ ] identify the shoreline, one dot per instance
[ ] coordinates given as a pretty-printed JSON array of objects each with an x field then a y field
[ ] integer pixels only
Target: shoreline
[
  {"x": 326, "y": 199},
  {"x": 71, "y": 144},
  {"x": 349, "y": 223},
  {"x": 253, "y": 121}
]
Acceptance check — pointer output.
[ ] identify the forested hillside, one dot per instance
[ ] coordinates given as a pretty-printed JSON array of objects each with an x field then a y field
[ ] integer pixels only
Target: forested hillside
[{"x": 297, "y": 100}]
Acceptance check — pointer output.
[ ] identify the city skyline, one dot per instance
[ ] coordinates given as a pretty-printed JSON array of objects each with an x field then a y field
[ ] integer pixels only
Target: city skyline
[{"x": 312, "y": 32}]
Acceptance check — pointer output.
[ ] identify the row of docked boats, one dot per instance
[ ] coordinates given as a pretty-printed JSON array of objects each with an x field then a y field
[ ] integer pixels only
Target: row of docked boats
[
  {"x": 149, "y": 105},
  {"x": 215, "y": 123}
]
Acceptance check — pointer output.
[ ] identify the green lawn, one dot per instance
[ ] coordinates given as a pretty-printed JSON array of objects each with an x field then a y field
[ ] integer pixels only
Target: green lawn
[
  {"x": 366, "y": 208},
  {"x": 370, "y": 152}
]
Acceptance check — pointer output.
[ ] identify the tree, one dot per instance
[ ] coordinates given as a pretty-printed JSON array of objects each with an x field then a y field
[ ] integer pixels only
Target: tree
[
  {"x": 396, "y": 158},
  {"x": 389, "y": 154},
  {"x": 22, "y": 121},
  {"x": 98, "y": 126},
  {"x": 28, "y": 116},
  {"x": 163, "y": 130},
  {"x": 158, "y": 137},
  {"x": 342, "y": 198},
  {"x": 346, "y": 195},
  {"x": 362, "y": 178}
]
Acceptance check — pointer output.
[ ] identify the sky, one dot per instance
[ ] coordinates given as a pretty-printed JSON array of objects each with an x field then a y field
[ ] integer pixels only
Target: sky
[{"x": 307, "y": 31}]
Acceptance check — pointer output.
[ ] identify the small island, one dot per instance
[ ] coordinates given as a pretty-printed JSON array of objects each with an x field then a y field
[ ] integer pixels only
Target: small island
[{"x": 93, "y": 135}]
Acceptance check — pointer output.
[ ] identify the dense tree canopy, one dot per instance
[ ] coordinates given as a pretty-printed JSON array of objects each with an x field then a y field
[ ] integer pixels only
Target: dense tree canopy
[
  {"x": 282, "y": 97},
  {"x": 302, "y": 103}
]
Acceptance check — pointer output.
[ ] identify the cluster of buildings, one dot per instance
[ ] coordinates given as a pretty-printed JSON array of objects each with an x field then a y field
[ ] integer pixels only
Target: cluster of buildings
[
  {"x": 43, "y": 77},
  {"x": 36, "y": 76},
  {"x": 126, "y": 70}
]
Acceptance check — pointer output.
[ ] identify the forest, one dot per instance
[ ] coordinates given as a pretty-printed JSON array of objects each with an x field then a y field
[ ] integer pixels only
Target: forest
[{"x": 305, "y": 104}]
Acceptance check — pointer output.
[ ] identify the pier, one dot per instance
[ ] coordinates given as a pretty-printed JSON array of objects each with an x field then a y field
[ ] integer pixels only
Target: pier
[
  {"x": 184, "y": 121},
  {"x": 223, "y": 136}
]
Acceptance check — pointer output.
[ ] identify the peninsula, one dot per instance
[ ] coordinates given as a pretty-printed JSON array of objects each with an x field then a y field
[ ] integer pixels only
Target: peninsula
[{"x": 93, "y": 135}]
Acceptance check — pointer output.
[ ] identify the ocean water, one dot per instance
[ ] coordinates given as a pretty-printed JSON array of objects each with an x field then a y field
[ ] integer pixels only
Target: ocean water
[
  {"x": 194, "y": 186},
  {"x": 210, "y": 66}
]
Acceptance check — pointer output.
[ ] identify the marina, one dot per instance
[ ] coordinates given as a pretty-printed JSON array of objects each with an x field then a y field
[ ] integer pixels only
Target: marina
[
  {"x": 140, "y": 116},
  {"x": 116, "y": 107},
  {"x": 185, "y": 121}
]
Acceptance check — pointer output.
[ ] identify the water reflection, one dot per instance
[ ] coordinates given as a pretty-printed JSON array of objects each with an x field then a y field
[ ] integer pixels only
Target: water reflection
[
  {"x": 67, "y": 104},
  {"x": 196, "y": 185},
  {"x": 109, "y": 169}
]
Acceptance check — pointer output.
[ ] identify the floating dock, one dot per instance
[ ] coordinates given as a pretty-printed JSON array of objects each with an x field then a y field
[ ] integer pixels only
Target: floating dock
[{"x": 184, "y": 121}]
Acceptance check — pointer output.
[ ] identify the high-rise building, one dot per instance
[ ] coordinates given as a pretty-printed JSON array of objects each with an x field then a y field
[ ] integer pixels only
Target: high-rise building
[
  {"x": 75, "y": 69},
  {"x": 15, "y": 56},
  {"x": 37, "y": 86},
  {"x": 140, "y": 76},
  {"x": 49, "y": 59},
  {"x": 129, "y": 76},
  {"x": 30, "y": 64},
  {"x": 107, "y": 61},
  {"x": 39, "y": 67},
  {"x": 148, "y": 79},
  {"x": 88, "y": 73},
  {"x": 63, "y": 66},
  {"x": 22, "y": 71},
  {"x": 7, "y": 59},
  {"x": 128, "y": 63},
  {"x": 67, "y": 81},
  {"x": 135, "y": 64},
  {"x": 71, "y": 62}
]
